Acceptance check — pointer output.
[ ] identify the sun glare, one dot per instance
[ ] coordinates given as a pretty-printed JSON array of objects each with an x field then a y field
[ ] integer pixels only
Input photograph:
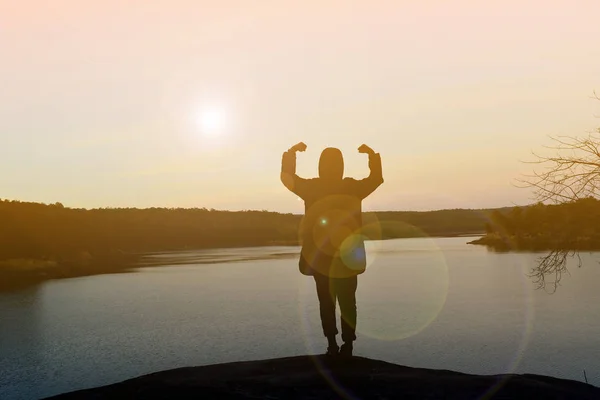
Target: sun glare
[{"x": 212, "y": 121}]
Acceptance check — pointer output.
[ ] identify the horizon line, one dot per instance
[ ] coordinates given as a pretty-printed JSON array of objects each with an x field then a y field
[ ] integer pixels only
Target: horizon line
[{"x": 246, "y": 210}]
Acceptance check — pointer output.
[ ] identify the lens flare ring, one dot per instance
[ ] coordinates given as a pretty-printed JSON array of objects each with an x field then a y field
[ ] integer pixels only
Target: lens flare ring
[{"x": 376, "y": 248}]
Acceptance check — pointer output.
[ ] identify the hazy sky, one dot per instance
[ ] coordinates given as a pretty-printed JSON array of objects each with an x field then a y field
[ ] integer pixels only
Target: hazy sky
[{"x": 100, "y": 101}]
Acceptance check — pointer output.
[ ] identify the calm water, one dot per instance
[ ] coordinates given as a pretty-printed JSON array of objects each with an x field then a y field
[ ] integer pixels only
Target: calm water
[{"x": 435, "y": 303}]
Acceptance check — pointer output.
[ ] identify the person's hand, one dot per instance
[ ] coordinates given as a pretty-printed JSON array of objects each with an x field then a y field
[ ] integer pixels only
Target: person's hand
[
  {"x": 366, "y": 149},
  {"x": 298, "y": 147}
]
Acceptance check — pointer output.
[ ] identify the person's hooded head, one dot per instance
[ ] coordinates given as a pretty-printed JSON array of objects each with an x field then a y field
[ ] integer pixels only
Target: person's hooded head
[{"x": 331, "y": 164}]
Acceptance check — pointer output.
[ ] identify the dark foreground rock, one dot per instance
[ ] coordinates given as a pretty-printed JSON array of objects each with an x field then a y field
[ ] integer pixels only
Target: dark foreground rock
[{"x": 309, "y": 377}]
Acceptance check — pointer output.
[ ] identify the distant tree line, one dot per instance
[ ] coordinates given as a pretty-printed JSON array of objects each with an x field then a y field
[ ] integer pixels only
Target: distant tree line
[
  {"x": 34, "y": 230},
  {"x": 56, "y": 240}
]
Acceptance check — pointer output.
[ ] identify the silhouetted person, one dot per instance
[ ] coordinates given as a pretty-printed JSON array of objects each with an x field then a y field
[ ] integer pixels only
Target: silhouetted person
[{"x": 333, "y": 250}]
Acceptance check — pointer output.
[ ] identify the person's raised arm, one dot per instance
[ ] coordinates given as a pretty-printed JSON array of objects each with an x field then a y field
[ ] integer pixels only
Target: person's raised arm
[
  {"x": 368, "y": 185},
  {"x": 289, "y": 178}
]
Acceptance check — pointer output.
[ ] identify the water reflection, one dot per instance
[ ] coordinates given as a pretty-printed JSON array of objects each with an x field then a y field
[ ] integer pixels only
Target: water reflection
[{"x": 20, "y": 340}]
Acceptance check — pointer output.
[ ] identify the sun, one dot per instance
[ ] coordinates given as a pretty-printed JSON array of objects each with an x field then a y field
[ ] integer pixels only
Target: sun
[{"x": 212, "y": 121}]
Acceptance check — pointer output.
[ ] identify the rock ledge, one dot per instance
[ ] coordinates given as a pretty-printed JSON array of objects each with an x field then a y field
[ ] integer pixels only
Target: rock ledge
[{"x": 319, "y": 377}]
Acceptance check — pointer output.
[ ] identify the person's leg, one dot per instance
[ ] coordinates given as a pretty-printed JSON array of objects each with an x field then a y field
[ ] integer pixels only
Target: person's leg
[
  {"x": 346, "y": 294},
  {"x": 326, "y": 297}
]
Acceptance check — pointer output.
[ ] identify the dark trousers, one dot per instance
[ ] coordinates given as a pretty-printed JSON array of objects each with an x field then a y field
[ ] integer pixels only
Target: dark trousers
[{"x": 344, "y": 291}]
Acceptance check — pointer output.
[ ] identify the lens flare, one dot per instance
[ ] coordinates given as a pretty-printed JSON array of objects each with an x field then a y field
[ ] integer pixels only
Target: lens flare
[
  {"x": 389, "y": 289},
  {"x": 403, "y": 291},
  {"x": 524, "y": 265}
]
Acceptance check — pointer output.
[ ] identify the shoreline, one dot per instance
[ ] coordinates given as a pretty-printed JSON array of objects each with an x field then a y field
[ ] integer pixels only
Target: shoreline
[
  {"x": 506, "y": 244},
  {"x": 22, "y": 273}
]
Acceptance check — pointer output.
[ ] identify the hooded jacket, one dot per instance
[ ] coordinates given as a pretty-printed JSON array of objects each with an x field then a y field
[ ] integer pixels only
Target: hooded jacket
[{"x": 331, "y": 229}]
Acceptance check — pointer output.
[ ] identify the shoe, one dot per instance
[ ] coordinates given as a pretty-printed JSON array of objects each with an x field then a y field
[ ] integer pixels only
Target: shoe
[
  {"x": 346, "y": 350},
  {"x": 332, "y": 350}
]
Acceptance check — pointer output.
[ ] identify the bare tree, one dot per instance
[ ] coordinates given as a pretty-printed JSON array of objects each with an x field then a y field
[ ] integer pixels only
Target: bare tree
[
  {"x": 571, "y": 173},
  {"x": 552, "y": 264}
]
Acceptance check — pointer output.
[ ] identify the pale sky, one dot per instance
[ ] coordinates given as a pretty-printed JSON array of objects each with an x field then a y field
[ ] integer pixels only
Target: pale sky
[{"x": 100, "y": 101}]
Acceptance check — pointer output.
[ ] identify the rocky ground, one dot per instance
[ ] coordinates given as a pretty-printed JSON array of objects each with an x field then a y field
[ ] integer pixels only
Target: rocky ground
[{"x": 319, "y": 377}]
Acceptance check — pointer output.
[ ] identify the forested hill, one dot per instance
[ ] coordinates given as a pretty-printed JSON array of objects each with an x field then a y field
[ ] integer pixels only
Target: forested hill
[
  {"x": 37, "y": 230},
  {"x": 63, "y": 241}
]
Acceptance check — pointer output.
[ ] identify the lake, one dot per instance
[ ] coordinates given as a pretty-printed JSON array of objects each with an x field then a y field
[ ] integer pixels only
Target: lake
[{"x": 435, "y": 303}]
